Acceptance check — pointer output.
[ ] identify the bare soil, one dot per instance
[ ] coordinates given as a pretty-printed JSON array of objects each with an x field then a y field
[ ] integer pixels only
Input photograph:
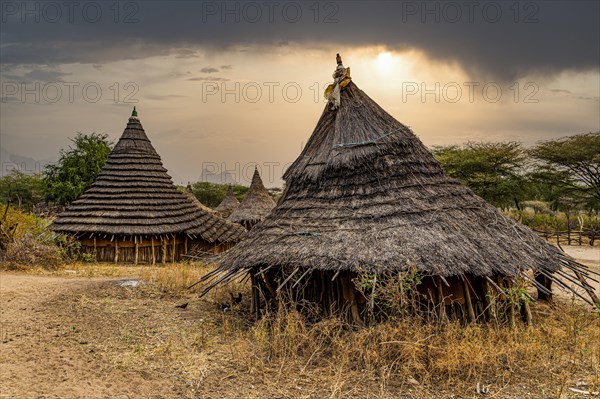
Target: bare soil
[{"x": 69, "y": 336}]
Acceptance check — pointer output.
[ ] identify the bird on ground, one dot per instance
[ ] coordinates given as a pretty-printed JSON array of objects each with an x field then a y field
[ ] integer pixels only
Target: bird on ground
[{"x": 183, "y": 305}]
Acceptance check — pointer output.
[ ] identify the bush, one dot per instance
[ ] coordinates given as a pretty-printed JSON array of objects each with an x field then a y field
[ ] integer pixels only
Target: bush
[{"x": 26, "y": 241}]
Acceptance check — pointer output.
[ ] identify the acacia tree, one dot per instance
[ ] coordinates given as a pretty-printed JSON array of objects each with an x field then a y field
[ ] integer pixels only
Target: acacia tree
[
  {"x": 77, "y": 168},
  {"x": 576, "y": 159},
  {"x": 21, "y": 189},
  {"x": 494, "y": 171}
]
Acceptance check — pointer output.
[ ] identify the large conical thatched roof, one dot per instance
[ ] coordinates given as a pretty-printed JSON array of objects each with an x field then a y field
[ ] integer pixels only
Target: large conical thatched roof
[
  {"x": 366, "y": 194},
  {"x": 134, "y": 196},
  {"x": 228, "y": 205},
  {"x": 256, "y": 205}
]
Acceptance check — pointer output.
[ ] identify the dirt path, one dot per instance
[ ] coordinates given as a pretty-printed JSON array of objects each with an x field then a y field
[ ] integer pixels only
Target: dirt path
[{"x": 44, "y": 353}]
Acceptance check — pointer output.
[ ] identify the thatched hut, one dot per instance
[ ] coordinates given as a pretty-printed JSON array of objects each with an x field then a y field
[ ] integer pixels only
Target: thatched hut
[
  {"x": 255, "y": 206},
  {"x": 228, "y": 205},
  {"x": 190, "y": 194},
  {"x": 134, "y": 213},
  {"x": 366, "y": 202}
]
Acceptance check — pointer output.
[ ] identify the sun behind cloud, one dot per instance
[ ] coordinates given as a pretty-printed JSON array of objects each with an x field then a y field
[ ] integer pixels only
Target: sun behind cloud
[{"x": 385, "y": 61}]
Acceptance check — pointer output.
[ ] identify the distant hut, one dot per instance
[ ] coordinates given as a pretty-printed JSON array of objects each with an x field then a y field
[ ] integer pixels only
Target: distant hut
[
  {"x": 228, "y": 205},
  {"x": 367, "y": 198},
  {"x": 256, "y": 205},
  {"x": 134, "y": 213},
  {"x": 190, "y": 193}
]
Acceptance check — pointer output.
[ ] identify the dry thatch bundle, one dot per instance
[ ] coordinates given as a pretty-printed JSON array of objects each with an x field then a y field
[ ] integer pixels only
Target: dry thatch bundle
[
  {"x": 133, "y": 203},
  {"x": 256, "y": 205},
  {"x": 366, "y": 196},
  {"x": 228, "y": 205}
]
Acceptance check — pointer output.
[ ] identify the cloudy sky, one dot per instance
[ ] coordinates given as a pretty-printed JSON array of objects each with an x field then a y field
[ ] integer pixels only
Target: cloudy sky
[{"x": 222, "y": 86}]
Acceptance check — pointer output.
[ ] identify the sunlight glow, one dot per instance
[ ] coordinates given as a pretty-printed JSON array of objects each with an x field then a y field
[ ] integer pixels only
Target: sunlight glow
[{"x": 385, "y": 61}]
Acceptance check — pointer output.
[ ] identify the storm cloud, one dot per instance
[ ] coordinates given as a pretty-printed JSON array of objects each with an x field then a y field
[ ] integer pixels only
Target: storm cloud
[{"x": 499, "y": 39}]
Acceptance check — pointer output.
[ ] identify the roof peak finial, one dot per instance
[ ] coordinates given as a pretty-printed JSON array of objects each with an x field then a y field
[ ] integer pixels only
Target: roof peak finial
[
  {"x": 134, "y": 113},
  {"x": 338, "y": 59}
]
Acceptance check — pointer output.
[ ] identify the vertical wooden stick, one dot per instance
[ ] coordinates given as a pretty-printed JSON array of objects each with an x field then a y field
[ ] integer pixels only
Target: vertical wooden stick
[
  {"x": 164, "y": 250},
  {"x": 528, "y": 316},
  {"x": 117, "y": 251},
  {"x": 372, "y": 301},
  {"x": 440, "y": 300},
  {"x": 470, "y": 311},
  {"x": 252, "y": 298},
  {"x": 349, "y": 294},
  {"x": 488, "y": 301},
  {"x": 511, "y": 309},
  {"x": 137, "y": 251},
  {"x": 153, "y": 255},
  {"x": 173, "y": 251}
]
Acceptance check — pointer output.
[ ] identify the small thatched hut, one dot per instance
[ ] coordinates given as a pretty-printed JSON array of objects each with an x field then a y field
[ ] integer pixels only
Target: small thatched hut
[
  {"x": 365, "y": 203},
  {"x": 255, "y": 206},
  {"x": 134, "y": 213},
  {"x": 228, "y": 205},
  {"x": 190, "y": 193}
]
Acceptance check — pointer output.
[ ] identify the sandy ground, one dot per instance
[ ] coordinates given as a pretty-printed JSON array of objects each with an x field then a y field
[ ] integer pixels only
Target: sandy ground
[
  {"x": 74, "y": 337},
  {"x": 589, "y": 256},
  {"x": 45, "y": 354}
]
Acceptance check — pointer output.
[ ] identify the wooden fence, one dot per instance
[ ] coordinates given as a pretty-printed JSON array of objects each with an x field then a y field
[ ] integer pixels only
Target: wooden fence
[{"x": 589, "y": 237}]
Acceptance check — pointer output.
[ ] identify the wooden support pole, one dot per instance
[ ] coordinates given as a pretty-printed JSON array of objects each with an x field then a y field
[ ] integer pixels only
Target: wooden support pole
[
  {"x": 257, "y": 300},
  {"x": 488, "y": 301},
  {"x": 185, "y": 245},
  {"x": 527, "y": 311},
  {"x": 95, "y": 249},
  {"x": 440, "y": 300},
  {"x": 372, "y": 301},
  {"x": 252, "y": 299},
  {"x": 173, "y": 250},
  {"x": 153, "y": 255},
  {"x": 117, "y": 251},
  {"x": 511, "y": 309},
  {"x": 470, "y": 310},
  {"x": 137, "y": 251},
  {"x": 547, "y": 284},
  {"x": 349, "y": 294},
  {"x": 164, "y": 250},
  {"x": 254, "y": 295}
]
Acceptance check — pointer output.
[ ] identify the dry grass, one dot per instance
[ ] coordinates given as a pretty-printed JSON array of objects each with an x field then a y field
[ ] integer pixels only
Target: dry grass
[
  {"x": 558, "y": 351},
  {"x": 284, "y": 355}
]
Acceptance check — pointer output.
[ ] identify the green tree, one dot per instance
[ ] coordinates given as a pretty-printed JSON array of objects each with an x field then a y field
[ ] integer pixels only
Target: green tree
[
  {"x": 77, "y": 168},
  {"x": 553, "y": 187},
  {"x": 576, "y": 159},
  {"x": 211, "y": 194},
  {"x": 494, "y": 171},
  {"x": 22, "y": 190}
]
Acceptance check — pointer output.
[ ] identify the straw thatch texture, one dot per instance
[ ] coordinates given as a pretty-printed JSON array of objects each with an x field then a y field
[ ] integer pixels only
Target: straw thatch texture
[
  {"x": 256, "y": 205},
  {"x": 365, "y": 193},
  {"x": 228, "y": 205},
  {"x": 134, "y": 197}
]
